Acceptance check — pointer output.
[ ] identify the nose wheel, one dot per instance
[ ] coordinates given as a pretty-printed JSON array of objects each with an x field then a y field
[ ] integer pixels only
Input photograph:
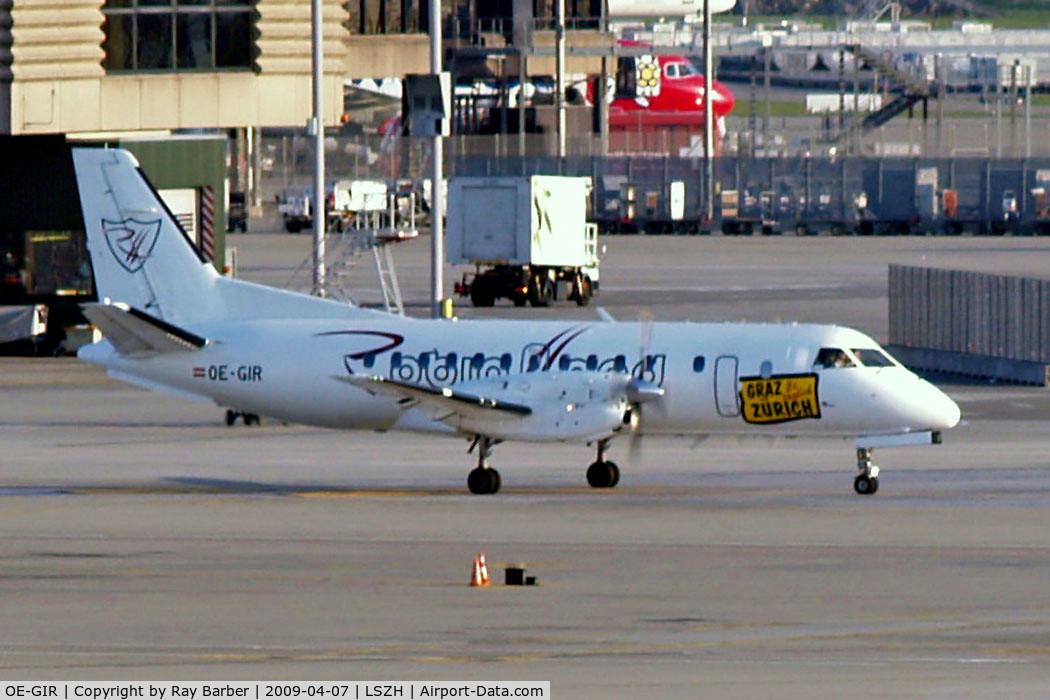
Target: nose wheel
[
  {"x": 483, "y": 479},
  {"x": 603, "y": 474},
  {"x": 867, "y": 482}
]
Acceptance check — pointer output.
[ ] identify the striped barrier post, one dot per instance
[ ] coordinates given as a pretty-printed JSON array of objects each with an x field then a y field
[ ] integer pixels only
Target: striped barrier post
[{"x": 207, "y": 219}]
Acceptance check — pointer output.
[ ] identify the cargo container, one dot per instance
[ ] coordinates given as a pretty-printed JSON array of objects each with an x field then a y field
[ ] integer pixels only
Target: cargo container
[{"x": 527, "y": 238}]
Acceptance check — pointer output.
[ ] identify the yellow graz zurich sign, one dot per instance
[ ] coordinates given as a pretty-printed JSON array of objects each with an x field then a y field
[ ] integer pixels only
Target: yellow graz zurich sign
[{"x": 779, "y": 398}]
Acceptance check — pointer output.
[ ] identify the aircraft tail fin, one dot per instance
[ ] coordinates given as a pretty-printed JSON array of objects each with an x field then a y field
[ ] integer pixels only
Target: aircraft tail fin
[{"x": 141, "y": 256}]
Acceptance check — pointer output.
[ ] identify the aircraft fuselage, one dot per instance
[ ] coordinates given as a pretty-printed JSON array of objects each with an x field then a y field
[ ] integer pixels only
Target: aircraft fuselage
[{"x": 716, "y": 377}]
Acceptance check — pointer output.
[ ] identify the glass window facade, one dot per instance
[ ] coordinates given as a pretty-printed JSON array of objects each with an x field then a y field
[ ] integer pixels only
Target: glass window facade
[
  {"x": 178, "y": 35},
  {"x": 387, "y": 16}
]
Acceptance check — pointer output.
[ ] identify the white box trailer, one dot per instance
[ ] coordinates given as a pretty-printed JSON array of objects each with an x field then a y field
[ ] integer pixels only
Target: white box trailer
[
  {"x": 359, "y": 195},
  {"x": 353, "y": 198},
  {"x": 527, "y": 237}
]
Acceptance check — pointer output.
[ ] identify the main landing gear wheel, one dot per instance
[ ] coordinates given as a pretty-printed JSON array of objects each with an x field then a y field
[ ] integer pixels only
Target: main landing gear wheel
[
  {"x": 483, "y": 480},
  {"x": 867, "y": 482},
  {"x": 866, "y": 485},
  {"x": 249, "y": 418},
  {"x": 603, "y": 475}
]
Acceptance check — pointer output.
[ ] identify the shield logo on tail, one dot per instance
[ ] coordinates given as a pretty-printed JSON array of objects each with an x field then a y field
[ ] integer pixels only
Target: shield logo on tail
[{"x": 131, "y": 241}]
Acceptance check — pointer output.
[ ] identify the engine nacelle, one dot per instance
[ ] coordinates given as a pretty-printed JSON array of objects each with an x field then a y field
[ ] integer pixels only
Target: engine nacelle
[{"x": 569, "y": 406}]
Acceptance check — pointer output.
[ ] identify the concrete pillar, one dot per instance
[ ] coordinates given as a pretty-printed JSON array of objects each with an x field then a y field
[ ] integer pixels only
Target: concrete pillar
[{"x": 6, "y": 59}]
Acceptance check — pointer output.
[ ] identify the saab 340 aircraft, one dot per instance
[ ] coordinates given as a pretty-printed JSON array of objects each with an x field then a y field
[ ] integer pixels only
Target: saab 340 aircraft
[{"x": 174, "y": 324}]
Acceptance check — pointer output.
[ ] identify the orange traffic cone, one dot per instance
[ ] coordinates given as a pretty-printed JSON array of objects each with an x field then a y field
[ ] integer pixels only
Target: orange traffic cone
[{"x": 479, "y": 575}]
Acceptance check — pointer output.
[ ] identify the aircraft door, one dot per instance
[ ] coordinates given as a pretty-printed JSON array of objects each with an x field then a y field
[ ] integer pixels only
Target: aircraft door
[
  {"x": 727, "y": 401},
  {"x": 626, "y": 76}
]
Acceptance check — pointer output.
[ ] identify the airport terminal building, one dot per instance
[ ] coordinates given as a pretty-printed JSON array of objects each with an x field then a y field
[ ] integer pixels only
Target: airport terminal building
[
  {"x": 77, "y": 66},
  {"x": 85, "y": 66}
]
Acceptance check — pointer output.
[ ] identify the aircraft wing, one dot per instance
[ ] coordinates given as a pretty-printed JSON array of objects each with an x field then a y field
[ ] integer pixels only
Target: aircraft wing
[
  {"x": 535, "y": 406},
  {"x": 136, "y": 333},
  {"x": 439, "y": 404}
]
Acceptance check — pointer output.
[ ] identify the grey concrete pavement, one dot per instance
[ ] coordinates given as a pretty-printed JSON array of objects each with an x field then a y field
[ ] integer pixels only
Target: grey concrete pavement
[{"x": 145, "y": 540}]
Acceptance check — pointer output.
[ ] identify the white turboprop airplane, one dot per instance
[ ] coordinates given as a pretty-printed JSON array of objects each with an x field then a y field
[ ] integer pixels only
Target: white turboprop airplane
[{"x": 172, "y": 323}]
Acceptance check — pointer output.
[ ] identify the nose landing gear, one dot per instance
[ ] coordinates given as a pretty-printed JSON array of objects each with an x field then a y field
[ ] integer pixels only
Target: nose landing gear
[{"x": 867, "y": 482}]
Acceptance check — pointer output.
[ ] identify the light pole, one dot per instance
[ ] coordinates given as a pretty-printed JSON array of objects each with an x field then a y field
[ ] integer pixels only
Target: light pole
[
  {"x": 559, "y": 68},
  {"x": 709, "y": 121},
  {"x": 437, "y": 183},
  {"x": 317, "y": 126}
]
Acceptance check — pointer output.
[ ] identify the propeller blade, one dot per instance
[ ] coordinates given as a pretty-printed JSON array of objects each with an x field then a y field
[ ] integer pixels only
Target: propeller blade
[
  {"x": 639, "y": 391},
  {"x": 645, "y": 337},
  {"x": 634, "y": 448}
]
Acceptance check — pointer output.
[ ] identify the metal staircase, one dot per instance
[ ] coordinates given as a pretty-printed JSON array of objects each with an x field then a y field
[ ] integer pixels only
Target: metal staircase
[
  {"x": 373, "y": 232},
  {"x": 910, "y": 88},
  {"x": 388, "y": 279},
  {"x": 888, "y": 111}
]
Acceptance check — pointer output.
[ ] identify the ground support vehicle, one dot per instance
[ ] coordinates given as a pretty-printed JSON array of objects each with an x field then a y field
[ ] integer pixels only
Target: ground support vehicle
[
  {"x": 523, "y": 284},
  {"x": 294, "y": 207},
  {"x": 527, "y": 238},
  {"x": 237, "y": 213}
]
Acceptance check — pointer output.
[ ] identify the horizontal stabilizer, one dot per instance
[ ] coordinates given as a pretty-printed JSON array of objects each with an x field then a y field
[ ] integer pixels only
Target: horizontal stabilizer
[
  {"x": 439, "y": 404},
  {"x": 136, "y": 333}
]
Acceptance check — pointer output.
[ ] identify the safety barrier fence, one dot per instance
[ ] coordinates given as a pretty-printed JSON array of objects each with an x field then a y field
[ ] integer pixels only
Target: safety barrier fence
[
  {"x": 970, "y": 322},
  {"x": 977, "y": 194}
]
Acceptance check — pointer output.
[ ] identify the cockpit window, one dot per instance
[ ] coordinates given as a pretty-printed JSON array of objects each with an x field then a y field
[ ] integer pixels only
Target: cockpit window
[
  {"x": 687, "y": 69},
  {"x": 831, "y": 358},
  {"x": 870, "y": 357},
  {"x": 680, "y": 70}
]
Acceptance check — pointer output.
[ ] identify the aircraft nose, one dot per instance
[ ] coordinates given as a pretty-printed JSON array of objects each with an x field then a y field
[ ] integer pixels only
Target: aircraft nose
[{"x": 939, "y": 410}]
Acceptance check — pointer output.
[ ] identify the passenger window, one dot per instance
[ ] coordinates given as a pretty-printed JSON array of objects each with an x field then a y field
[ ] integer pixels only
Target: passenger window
[
  {"x": 831, "y": 358},
  {"x": 870, "y": 357},
  {"x": 698, "y": 364}
]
